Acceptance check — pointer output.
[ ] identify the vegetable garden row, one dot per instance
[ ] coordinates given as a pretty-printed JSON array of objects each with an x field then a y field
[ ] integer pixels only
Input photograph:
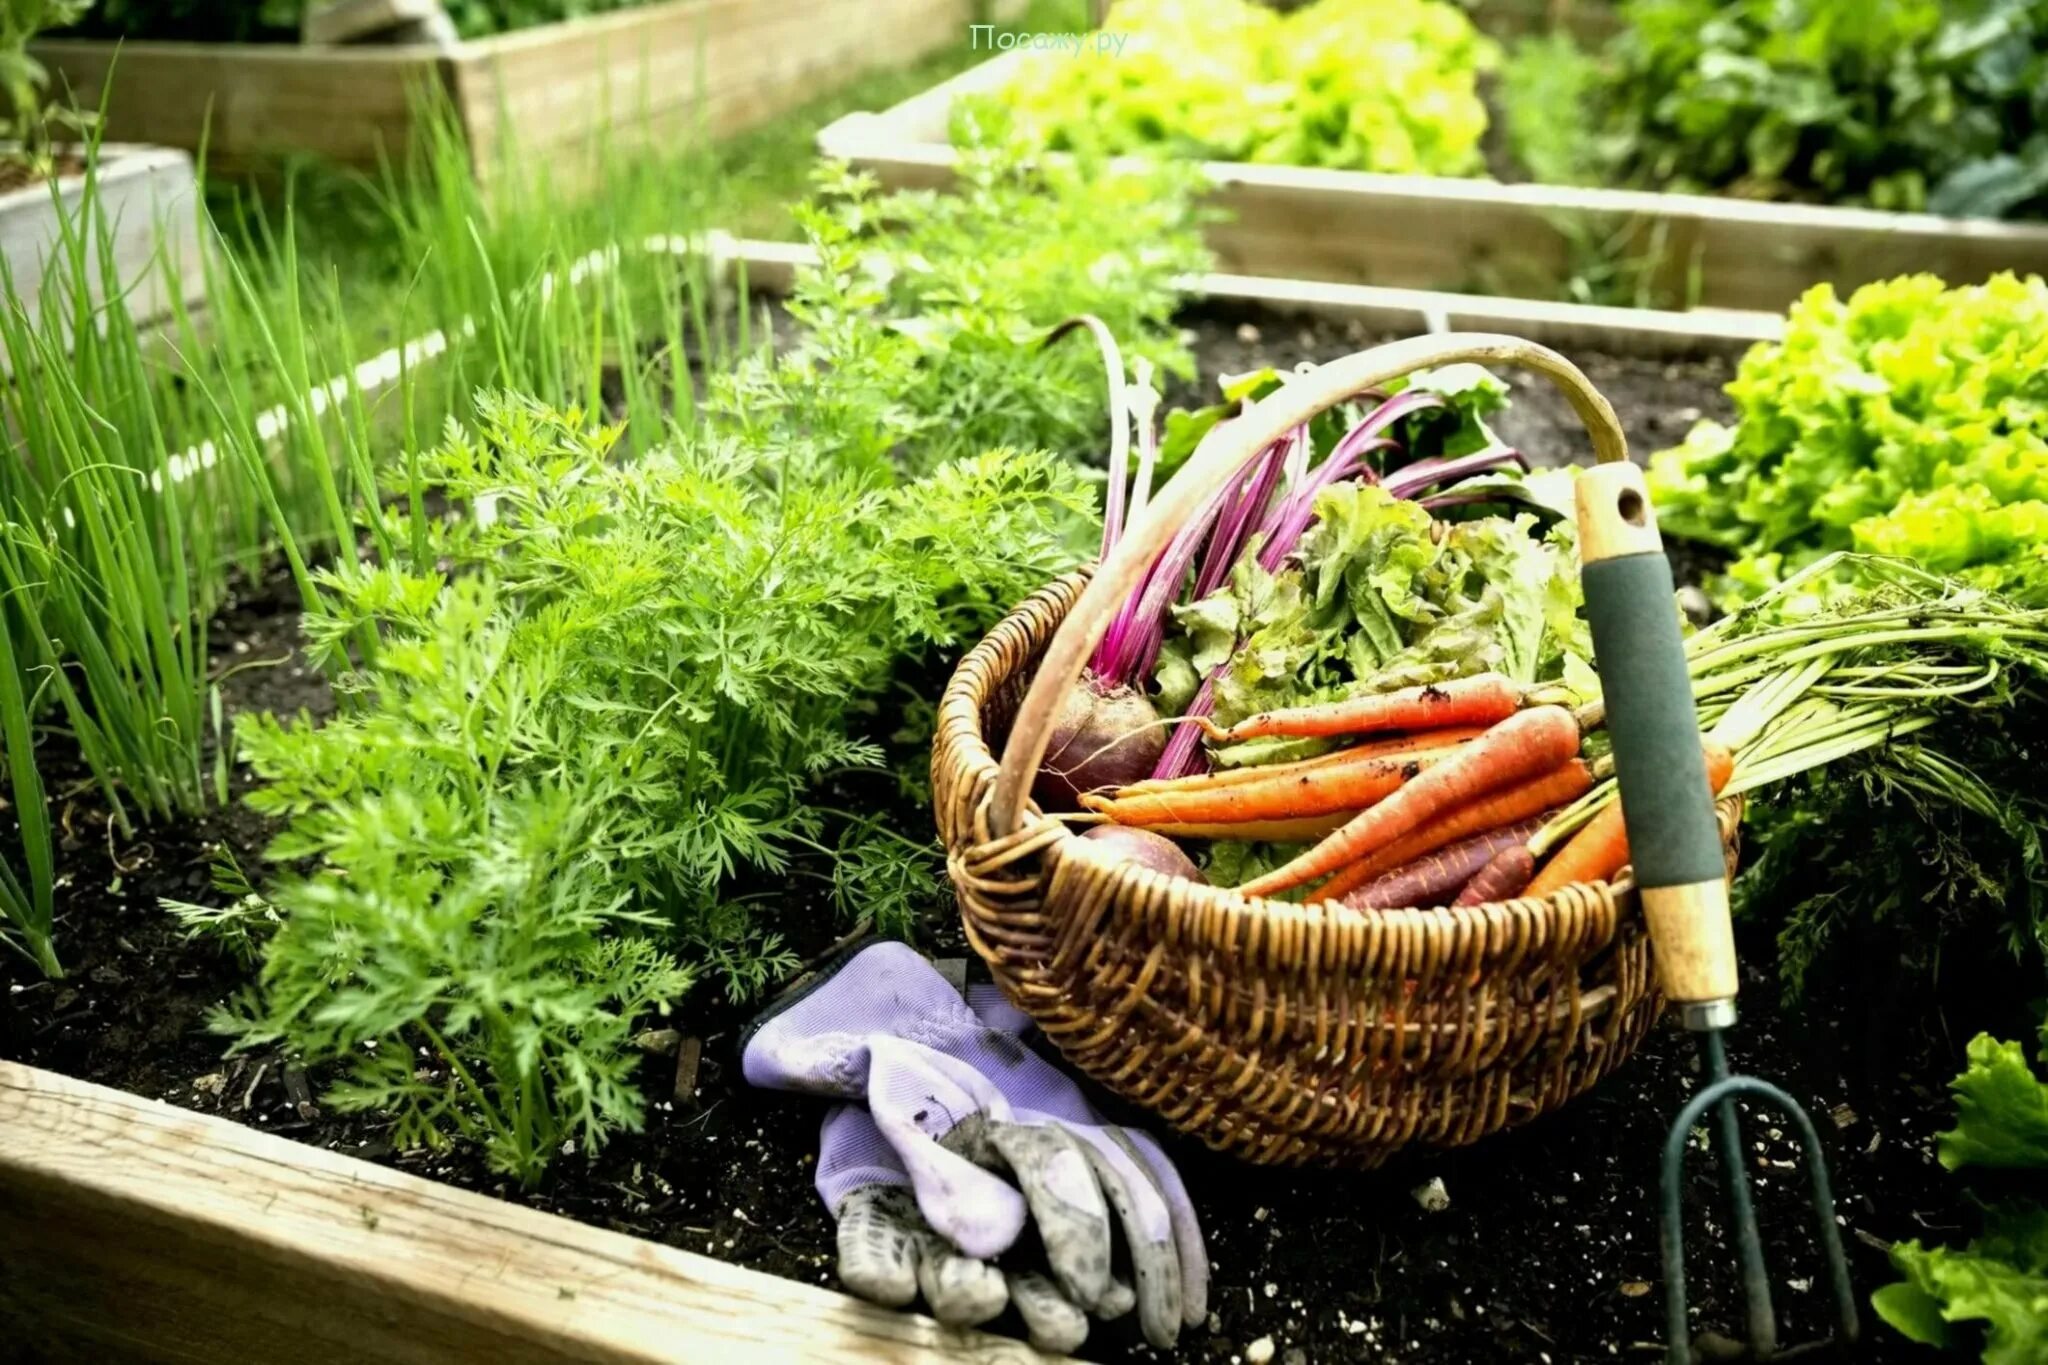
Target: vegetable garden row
[{"x": 469, "y": 647}]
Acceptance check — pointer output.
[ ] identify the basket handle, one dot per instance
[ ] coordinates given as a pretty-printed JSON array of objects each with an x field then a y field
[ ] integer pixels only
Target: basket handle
[{"x": 1224, "y": 450}]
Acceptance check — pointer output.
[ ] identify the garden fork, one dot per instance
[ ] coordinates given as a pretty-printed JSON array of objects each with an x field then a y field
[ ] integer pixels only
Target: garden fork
[{"x": 1675, "y": 846}]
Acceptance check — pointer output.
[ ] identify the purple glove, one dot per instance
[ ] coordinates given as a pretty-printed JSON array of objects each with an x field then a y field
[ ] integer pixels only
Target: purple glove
[
  {"x": 958, "y": 1101},
  {"x": 889, "y": 1255}
]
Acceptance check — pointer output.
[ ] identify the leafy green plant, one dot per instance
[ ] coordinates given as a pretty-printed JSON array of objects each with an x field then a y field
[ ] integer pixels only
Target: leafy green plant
[
  {"x": 1903, "y": 421},
  {"x": 2000, "y": 1279},
  {"x": 1378, "y": 85},
  {"x": 574, "y": 742},
  {"x": 590, "y": 712},
  {"x": 25, "y": 130},
  {"x": 1902, "y": 104}
]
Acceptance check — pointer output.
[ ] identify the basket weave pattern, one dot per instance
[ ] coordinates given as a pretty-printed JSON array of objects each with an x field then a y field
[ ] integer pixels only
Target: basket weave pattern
[{"x": 1282, "y": 1033}]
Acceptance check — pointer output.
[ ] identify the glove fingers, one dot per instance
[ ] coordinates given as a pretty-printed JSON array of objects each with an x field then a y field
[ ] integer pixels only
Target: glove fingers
[
  {"x": 917, "y": 1097},
  {"x": 1155, "y": 1267},
  {"x": 1067, "y": 1205},
  {"x": 1119, "y": 1300},
  {"x": 1187, "y": 1231},
  {"x": 1056, "y": 1326},
  {"x": 960, "y": 1290},
  {"x": 878, "y": 1227}
]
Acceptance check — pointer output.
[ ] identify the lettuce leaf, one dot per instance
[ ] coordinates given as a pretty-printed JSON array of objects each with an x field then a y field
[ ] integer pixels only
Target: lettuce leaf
[
  {"x": 2001, "y": 1109},
  {"x": 1377, "y": 601},
  {"x": 2000, "y": 1280}
]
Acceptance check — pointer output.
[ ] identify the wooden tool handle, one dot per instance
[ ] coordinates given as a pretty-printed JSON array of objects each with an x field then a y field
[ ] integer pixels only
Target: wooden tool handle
[
  {"x": 1673, "y": 838},
  {"x": 1220, "y": 454}
]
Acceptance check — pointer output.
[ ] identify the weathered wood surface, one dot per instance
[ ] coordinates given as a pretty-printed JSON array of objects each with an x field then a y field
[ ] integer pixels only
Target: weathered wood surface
[
  {"x": 1427, "y": 232},
  {"x": 148, "y": 202},
  {"x": 770, "y": 267},
  {"x": 133, "y": 1231},
  {"x": 653, "y": 74}
]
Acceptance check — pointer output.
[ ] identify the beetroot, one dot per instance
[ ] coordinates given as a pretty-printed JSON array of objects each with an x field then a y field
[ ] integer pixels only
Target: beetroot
[
  {"x": 1104, "y": 736},
  {"x": 1142, "y": 846}
]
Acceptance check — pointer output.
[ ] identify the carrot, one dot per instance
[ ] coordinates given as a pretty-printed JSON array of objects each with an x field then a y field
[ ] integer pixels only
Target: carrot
[
  {"x": 1481, "y": 699},
  {"x": 1504, "y": 876},
  {"x": 1340, "y": 786},
  {"x": 1429, "y": 879},
  {"x": 1231, "y": 777},
  {"x": 1304, "y": 830},
  {"x": 1559, "y": 787},
  {"x": 1529, "y": 742},
  {"x": 1600, "y": 850}
]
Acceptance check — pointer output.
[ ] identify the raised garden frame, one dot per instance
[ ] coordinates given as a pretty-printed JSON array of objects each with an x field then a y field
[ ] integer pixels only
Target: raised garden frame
[
  {"x": 149, "y": 199},
  {"x": 559, "y": 92},
  {"x": 135, "y": 1231},
  {"x": 1445, "y": 233}
]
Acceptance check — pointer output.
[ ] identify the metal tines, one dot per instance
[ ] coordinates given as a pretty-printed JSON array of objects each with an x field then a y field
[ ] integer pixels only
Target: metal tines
[{"x": 1719, "y": 1094}]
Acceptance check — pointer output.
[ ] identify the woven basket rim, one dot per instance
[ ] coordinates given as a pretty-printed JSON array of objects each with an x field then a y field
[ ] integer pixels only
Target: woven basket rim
[{"x": 1230, "y": 919}]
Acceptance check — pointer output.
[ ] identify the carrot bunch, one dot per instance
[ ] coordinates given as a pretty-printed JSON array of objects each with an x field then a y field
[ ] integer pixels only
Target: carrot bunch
[{"x": 1457, "y": 793}]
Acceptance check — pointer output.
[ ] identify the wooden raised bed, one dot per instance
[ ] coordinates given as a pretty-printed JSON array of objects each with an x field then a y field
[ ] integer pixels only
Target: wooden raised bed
[
  {"x": 653, "y": 74},
  {"x": 1425, "y": 232},
  {"x": 134, "y": 1231},
  {"x": 148, "y": 201}
]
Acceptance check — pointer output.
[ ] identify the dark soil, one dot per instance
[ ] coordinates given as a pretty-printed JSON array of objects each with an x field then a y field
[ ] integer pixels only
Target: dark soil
[{"x": 1547, "y": 1251}]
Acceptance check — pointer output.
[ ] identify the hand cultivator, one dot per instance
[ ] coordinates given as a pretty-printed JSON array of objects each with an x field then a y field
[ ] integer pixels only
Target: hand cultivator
[{"x": 1680, "y": 869}]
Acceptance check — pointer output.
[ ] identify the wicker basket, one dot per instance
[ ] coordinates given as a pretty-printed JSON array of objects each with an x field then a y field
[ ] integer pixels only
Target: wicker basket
[{"x": 1282, "y": 1033}]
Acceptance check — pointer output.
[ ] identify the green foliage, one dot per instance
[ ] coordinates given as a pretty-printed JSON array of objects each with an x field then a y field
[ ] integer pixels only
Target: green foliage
[
  {"x": 942, "y": 298},
  {"x": 1897, "y": 104},
  {"x": 2001, "y": 1278},
  {"x": 590, "y": 712},
  {"x": 1376, "y": 85},
  {"x": 25, "y": 120},
  {"x": 1906, "y": 421}
]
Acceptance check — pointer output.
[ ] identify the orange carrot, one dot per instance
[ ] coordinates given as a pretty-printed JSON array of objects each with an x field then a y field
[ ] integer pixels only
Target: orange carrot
[
  {"x": 1504, "y": 875},
  {"x": 1559, "y": 787},
  {"x": 1600, "y": 850},
  {"x": 1525, "y": 744},
  {"x": 1340, "y": 786},
  {"x": 1479, "y": 700},
  {"x": 1301, "y": 830},
  {"x": 1231, "y": 777},
  {"x": 1431, "y": 879}
]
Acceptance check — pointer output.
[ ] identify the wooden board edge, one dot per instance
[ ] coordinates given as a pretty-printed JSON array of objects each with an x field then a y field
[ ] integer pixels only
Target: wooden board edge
[
  {"x": 131, "y": 1230},
  {"x": 770, "y": 268}
]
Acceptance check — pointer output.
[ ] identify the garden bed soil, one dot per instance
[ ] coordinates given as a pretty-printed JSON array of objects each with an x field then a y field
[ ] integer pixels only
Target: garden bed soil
[{"x": 1547, "y": 1251}]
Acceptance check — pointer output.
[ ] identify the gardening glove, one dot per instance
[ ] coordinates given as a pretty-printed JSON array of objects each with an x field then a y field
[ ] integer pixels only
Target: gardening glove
[
  {"x": 889, "y": 1255},
  {"x": 960, "y": 1101}
]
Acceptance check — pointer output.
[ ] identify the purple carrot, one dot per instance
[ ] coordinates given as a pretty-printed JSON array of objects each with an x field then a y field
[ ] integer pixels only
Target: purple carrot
[{"x": 1432, "y": 879}]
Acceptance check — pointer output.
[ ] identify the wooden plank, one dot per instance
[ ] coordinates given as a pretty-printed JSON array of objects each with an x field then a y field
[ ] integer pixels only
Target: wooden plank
[
  {"x": 134, "y": 1231},
  {"x": 147, "y": 203},
  {"x": 770, "y": 268},
  {"x": 668, "y": 71},
  {"x": 256, "y": 100},
  {"x": 1442, "y": 233}
]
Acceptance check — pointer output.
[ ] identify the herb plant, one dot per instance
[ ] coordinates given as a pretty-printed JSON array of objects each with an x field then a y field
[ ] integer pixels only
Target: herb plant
[
  {"x": 594, "y": 713},
  {"x": 1376, "y": 85},
  {"x": 588, "y": 720},
  {"x": 1900, "y": 104}
]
